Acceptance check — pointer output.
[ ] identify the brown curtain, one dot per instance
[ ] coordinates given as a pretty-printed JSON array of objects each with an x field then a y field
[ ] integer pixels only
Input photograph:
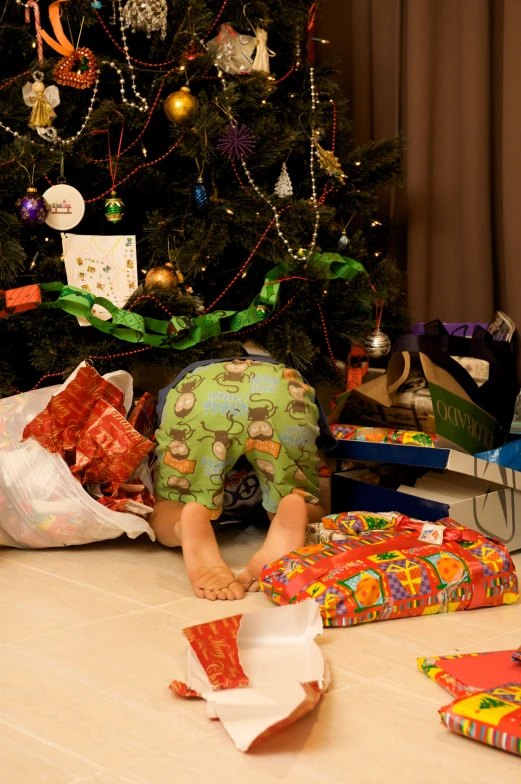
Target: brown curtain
[{"x": 447, "y": 73}]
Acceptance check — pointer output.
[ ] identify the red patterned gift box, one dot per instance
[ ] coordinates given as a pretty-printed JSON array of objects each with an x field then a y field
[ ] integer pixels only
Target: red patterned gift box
[
  {"x": 462, "y": 674},
  {"x": 381, "y": 575},
  {"x": 492, "y": 716}
]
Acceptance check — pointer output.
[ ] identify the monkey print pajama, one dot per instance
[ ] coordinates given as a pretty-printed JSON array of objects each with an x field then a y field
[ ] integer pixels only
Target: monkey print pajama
[{"x": 240, "y": 407}]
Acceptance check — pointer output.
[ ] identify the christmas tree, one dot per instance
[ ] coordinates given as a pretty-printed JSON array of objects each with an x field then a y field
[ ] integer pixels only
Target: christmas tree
[{"x": 205, "y": 129}]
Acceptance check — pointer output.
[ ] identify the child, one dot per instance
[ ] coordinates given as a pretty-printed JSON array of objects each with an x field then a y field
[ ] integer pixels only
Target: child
[{"x": 214, "y": 412}]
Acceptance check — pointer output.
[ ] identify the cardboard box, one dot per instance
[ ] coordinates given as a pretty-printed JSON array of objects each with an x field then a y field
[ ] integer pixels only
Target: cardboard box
[{"x": 483, "y": 496}]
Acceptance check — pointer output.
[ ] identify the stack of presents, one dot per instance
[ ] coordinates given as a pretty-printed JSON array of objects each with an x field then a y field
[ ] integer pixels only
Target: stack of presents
[{"x": 427, "y": 449}]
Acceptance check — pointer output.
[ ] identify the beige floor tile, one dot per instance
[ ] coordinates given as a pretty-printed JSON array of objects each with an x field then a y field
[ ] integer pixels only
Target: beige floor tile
[
  {"x": 362, "y": 735},
  {"x": 103, "y": 778},
  {"x": 34, "y": 602},
  {"x": 200, "y": 611},
  {"x": 136, "y": 569},
  {"x": 102, "y": 690},
  {"x": 26, "y": 759}
]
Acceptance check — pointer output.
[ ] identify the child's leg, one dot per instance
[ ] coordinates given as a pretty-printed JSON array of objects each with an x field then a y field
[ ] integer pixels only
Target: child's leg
[
  {"x": 287, "y": 532},
  {"x": 188, "y": 525}
]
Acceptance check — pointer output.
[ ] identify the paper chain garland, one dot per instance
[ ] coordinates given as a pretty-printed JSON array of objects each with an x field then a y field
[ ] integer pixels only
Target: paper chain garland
[{"x": 181, "y": 332}]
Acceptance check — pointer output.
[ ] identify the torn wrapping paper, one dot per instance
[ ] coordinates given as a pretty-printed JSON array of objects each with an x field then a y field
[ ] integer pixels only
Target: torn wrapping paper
[
  {"x": 58, "y": 426},
  {"x": 516, "y": 656},
  {"x": 384, "y": 574},
  {"x": 258, "y": 672},
  {"x": 491, "y": 716},
  {"x": 85, "y": 424},
  {"x": 466, "y": 673}
]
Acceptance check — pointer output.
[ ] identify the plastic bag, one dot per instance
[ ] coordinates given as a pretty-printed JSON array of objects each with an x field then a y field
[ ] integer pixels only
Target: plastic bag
[{"x": 41, "y": 503}]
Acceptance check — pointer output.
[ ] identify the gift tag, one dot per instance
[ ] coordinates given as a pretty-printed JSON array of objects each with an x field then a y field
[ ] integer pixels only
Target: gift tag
[
  {"x": 432, "y": 533},
  {"x": 67, "y": 206}
]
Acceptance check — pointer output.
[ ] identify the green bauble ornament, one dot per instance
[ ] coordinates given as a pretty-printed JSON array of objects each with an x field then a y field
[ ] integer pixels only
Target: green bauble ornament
[{"x": 114, "y": 208}]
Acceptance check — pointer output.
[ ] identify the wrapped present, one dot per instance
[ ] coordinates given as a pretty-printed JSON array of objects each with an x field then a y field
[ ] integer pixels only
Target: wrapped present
[
  {"x": 338, "y": 527},
  {"x": 463, "y": 674},
  {"x": 383, "y": 435},
  {"x": 492, "y": 716},
  {"x": 21, "y": 299},
  {"x": 384, "y": 574}
]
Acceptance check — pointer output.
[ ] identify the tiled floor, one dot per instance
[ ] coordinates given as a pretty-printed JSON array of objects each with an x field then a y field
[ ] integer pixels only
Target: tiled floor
[{"x": 91, "y": 637}]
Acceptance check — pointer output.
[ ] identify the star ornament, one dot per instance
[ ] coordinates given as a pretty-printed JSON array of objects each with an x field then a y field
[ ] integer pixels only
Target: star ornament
[{"x": 238, "y": 141}]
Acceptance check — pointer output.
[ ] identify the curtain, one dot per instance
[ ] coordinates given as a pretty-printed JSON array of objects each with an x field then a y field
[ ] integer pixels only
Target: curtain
[{"x": 447, "y": 73}]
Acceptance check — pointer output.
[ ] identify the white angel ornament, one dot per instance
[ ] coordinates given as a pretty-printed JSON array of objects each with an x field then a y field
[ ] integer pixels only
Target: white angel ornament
[
  {"x": 232, "y": 51},
  {"x": 43, "y": 100}
]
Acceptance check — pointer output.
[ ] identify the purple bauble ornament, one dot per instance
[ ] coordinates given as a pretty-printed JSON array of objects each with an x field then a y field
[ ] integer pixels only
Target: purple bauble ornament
[{"x": 32, "y": 209}]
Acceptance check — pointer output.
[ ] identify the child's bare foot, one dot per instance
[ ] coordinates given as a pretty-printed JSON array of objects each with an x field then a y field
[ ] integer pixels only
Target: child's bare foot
[
  {"x": 209, "y": 575},
  {"x": 287, "y": 532}
]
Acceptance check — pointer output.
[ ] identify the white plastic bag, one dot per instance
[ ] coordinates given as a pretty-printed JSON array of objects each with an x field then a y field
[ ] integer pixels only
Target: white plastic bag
[{"x": 41, "y": 503}]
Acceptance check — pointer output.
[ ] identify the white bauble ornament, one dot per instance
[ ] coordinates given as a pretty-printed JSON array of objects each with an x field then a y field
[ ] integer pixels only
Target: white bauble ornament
[{"x": 66, "y": 206}]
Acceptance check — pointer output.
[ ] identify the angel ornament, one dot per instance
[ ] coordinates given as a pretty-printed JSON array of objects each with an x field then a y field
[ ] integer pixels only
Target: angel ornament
[
  {"x": 43, "y": 100},
  {"x": 232, "y": 51}
]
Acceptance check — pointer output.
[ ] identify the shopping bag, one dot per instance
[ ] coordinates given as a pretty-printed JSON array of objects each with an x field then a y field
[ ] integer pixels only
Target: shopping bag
[
  {"x": 446, "y": 409},
  {"x": 485, "y": 368},
  {"x": 41, "y": 503}
]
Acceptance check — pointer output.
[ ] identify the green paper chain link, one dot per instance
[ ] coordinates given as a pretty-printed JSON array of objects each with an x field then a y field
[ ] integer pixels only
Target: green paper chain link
[{"x": 181, "y": 332}]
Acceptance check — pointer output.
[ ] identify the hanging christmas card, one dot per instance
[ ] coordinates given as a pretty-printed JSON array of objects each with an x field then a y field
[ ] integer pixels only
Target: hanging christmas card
[{"x": 103, "y": 266}]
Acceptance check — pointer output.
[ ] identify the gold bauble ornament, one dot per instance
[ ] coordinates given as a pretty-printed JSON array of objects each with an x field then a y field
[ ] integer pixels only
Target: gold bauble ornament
[
  {"x": 180, "y": 106},
  {"x": 162, "y": 278}
]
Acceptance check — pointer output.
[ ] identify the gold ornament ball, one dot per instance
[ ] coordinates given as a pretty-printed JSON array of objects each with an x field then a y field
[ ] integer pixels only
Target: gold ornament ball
[
  {"x": 162, "y": 278},
  {"x": 180, "y": 106}
]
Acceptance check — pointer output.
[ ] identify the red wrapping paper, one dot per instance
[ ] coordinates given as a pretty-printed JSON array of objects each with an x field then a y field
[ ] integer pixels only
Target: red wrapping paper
[
  {"x": 115, "y": 495},
  {"x": 142, "y": 416},
  {"x": 85, "y": 423},
  {"x": 108, "y": 448},
  {"x": 58, "y": 426}
]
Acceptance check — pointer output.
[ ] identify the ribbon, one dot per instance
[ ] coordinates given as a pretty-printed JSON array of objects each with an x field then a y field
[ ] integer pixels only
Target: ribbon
[
  {"x": 37, "y": 25},
  {"x": 62, "y": 45},
  {"x": 312, "y": 23},
  {"x": 182, "y": 332}
]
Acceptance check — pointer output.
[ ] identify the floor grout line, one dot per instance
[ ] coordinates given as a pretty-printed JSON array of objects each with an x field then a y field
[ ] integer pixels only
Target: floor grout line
[
  {"x": 75, "y": 626},
  {"x": 30, "y": 734},
  {"x": 78, "y": 582}
]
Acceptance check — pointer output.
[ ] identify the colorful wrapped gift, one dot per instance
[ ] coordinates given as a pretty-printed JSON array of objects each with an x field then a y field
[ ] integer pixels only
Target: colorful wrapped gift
[
  {"x": 492, "y": 716},
  {"x": 338, "y": 527},
  {"x": 383, "y": 435},
  {"x": 463, "y": 674},
  {"x": 380, "y": 575}
]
